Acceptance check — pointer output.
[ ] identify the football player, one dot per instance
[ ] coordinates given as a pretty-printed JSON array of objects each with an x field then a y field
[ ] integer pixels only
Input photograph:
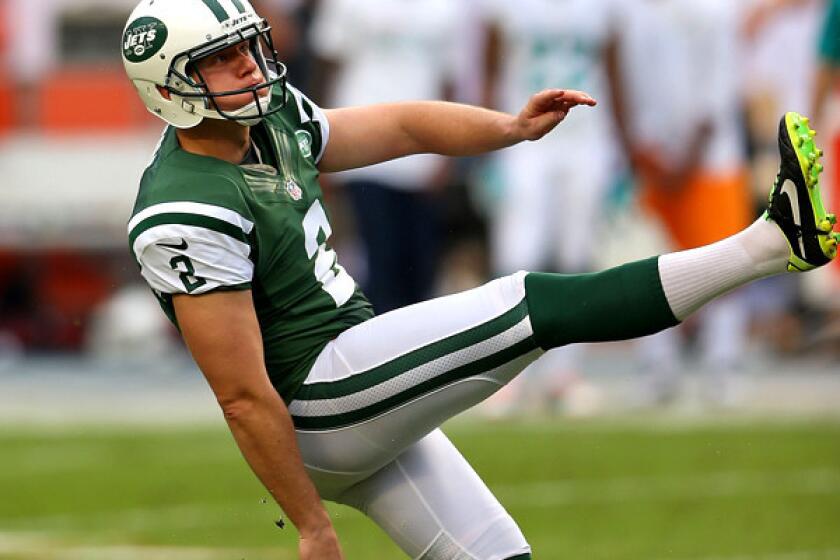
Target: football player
[
  {"x": 325, "y": 400},
  {"x": 546, "y": 200}
]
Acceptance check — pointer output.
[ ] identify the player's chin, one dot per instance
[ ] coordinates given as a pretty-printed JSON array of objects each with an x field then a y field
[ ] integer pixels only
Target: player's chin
[
  {"x": 264, "y": 91},
  {"x": 233, "y": 103}
]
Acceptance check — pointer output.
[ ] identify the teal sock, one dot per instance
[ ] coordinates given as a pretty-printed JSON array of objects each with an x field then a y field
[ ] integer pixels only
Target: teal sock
[{"x": 616, "y": 304}]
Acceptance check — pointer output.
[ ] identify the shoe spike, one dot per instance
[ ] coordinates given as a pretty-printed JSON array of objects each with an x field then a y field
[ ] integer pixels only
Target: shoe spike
[{"x": 832, "y": 242}]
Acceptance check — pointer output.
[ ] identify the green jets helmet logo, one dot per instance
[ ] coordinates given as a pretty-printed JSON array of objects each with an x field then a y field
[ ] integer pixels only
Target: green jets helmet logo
[
  {"x": 143, "y": 39},
  {"x": 304, "y": 140}
]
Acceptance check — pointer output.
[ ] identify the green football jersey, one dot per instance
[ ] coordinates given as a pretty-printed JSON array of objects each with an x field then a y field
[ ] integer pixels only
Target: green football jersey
[{"x": 202, "y": 224}]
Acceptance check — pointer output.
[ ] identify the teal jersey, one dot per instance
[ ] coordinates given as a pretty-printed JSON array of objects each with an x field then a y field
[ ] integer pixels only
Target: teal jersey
[
  {"x": 201, "y": 224},
  {"x": 829, "y": 45}
]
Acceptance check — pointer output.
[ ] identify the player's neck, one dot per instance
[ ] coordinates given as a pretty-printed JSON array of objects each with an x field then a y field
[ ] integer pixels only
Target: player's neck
[{"x": 222, "y": 139}]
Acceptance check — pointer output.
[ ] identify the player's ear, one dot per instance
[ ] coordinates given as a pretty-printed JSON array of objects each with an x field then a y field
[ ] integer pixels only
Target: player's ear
[{"x": 164, "y": 92}]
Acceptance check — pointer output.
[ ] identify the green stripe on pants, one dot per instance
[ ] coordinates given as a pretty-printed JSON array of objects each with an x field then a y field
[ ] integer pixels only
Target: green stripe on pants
[
  {"x": 371, "y": 411},
  {"x": 364, "y": 380}
]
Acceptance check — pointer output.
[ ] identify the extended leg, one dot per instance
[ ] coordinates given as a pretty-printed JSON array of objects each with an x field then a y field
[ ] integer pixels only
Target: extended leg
[
  {"x": 641, "y": 298},
  {"x": 386, "y": 383}
]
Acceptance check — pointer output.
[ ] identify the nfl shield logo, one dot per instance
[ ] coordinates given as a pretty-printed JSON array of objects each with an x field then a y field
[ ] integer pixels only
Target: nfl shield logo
[{"x": 294, "y": 190}]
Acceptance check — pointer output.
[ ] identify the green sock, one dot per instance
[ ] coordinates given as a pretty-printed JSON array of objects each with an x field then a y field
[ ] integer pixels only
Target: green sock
[{"x": 616, "y": 304}]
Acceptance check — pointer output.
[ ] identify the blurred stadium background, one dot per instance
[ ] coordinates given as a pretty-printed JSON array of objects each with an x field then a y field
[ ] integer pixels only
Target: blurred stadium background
[{"x": 111, "y": 446}]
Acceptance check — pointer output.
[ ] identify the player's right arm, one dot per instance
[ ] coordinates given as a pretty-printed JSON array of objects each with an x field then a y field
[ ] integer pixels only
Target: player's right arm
[
  {"x": 198, "y": 259},
  {"x": 223, "y": 335}
]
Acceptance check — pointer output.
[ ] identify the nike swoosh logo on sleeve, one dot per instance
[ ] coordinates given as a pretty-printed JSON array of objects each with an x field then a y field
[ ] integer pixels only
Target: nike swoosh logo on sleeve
[{"x": 180, "y": 247}]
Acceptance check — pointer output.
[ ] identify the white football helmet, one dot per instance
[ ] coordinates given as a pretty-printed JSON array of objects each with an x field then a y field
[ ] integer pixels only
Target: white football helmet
[{"x": 164, "y": 38}]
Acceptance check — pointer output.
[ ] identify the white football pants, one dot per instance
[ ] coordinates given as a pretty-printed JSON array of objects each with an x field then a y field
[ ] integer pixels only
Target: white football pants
[
  {"x": 547, "y": 217},
  {"x": 368, "y": 413}
]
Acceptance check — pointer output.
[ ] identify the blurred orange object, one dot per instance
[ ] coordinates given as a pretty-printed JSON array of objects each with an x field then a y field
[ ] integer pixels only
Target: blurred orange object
[
  {"x": 834, "y": 190},
  {"x": 709, "y": 207},
  {"x": 47, "y": 296},
  {"x": 7, "y": 101},
  {"x": 6, "y": 88},
  {"x": 89, "y": 100}
]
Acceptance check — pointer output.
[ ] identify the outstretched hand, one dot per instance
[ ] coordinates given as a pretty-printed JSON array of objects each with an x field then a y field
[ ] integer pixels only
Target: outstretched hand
[{"x": 547, "y": 109}]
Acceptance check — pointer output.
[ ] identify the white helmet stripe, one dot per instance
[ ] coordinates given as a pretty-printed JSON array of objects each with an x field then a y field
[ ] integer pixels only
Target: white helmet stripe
[
  {"x": 239, "y": 6},
  {"x": 217, "y": 9}
]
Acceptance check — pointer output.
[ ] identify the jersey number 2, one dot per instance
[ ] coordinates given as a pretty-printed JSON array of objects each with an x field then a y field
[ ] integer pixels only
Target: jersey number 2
[
  {"x": 331, "y": 275},
  {"x": 188, "y": 277}
]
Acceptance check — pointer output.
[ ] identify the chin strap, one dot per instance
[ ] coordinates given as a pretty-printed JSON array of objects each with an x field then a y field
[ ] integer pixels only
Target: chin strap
[{"x": 243, "y": 113}]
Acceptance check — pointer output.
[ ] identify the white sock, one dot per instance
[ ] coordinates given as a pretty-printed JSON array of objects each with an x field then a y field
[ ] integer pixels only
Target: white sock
[{"x": 694, "y": 277}]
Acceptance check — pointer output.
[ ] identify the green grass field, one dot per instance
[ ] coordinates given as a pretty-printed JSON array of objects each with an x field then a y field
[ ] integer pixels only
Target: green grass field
[{"x": 640, "y": 490}]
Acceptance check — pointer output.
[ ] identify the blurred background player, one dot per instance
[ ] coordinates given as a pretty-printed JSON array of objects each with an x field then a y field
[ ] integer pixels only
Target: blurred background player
[
  {"x": 826, "y": 114},
  {"x": 687, "y": 148},
  {"x": 290, "y": 21},
  {"x": 778, "y": 72},
  {"x": 797, "y": 74},
  {"x": 549, "y": 195},
  {"x": 389, "y": 50}
]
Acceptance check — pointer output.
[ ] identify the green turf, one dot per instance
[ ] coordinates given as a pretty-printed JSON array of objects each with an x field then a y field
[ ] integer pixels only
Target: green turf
[{"x": 579, "y": 490}]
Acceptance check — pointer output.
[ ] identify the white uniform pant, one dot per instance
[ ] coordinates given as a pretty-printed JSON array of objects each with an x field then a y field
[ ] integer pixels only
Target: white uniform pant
[
  {"x": 546, "y": 219},
  {"x": 368, "y": 413}
]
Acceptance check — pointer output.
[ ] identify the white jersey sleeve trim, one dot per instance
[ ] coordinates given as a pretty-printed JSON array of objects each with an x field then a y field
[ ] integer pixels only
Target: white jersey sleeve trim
[
  {"x": 318, "y": 116},
  {"x": 176, "y": 258},
  {"x": 199, "y": 208},
  {"x": 322, "y": 119}
]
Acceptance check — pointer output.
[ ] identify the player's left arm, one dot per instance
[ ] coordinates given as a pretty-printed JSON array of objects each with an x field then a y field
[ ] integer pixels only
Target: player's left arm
[{"x": 361, "y": 136}]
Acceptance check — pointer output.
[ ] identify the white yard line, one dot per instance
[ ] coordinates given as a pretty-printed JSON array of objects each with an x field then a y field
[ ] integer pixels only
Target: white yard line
[
  {"x": 176, "y": 517},
  {"x": 664, "y": 421},
  {"x": 826, "y": 554},
  {"x": 820, "y": 482},
  {"x": 38, "y": 547},
  {"x": 557, "y": 493},
  {"x": 62, "y": 394},
  {"x": 812, "y": 482}
]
